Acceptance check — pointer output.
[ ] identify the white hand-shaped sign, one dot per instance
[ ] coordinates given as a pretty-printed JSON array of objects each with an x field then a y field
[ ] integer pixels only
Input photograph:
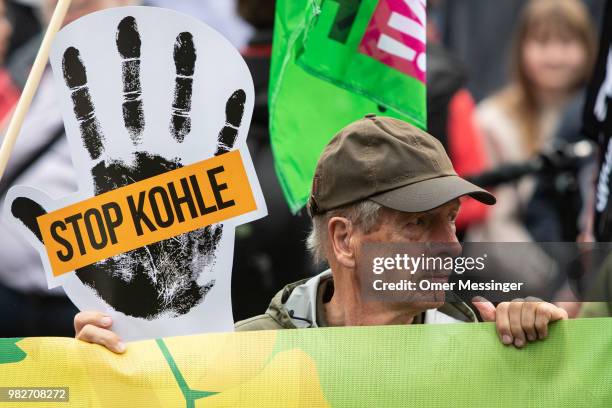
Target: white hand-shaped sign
[{"x": 145, "y": 91}]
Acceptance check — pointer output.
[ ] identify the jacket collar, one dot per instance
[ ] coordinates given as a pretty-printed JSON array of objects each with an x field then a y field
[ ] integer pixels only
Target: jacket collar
[{"x": 299, "y": 305}]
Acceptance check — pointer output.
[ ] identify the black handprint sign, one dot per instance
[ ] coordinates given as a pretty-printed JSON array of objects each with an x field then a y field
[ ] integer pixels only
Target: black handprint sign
[{"x": 162, "y": 277}]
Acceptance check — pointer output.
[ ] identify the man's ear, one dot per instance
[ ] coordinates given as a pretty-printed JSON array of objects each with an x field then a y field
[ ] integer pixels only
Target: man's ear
[{"x": 339, "y": 232}]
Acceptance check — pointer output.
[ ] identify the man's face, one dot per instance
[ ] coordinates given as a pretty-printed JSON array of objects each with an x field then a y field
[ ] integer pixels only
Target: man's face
[
  {"x": 416, "y": 230},
  {"x": 433, "y": 226}
]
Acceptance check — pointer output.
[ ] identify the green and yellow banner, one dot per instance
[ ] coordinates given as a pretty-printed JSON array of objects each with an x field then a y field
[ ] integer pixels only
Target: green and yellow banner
[{"x": 458, "y": 365}]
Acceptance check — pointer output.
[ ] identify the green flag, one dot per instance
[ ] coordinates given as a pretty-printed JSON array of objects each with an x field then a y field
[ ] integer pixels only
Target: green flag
[{"x": 334, "y": 61}]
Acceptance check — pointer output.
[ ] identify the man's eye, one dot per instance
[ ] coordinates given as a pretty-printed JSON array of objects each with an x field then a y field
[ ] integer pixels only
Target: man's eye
[{"x": 417, "y": 222}]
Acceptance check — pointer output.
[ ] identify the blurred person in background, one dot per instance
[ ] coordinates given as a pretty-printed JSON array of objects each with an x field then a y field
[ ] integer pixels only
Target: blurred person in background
[
  {"x": 79, "y": 8},
  {"x": 552, "y": 57},
  {"x": 23, "y": 14},
  {"x": 553, "y": 53},
  {"x": 271, "y": 252},
  {"x": 479, "y": 33},
  {"x": 560, "y": 210},
  {"x": 451, "y": 115},
  {"x": 560, "y": 207},
  {"x": 41, "y": 158},
  {"x": 9, "y": 94},
  {"x": 219, "y": 14}
]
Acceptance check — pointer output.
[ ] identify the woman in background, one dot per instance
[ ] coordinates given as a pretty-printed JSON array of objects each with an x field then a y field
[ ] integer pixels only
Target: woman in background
[
  {"x": 552, "y": 56},
  {"x": 551, "y": 59}
]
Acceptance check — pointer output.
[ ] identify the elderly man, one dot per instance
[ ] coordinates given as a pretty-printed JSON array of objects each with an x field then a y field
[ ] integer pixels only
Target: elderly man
[{"x": 379, "y": 180}]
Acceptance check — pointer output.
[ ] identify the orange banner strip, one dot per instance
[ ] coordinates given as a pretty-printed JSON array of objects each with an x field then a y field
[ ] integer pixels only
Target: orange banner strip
[{"x": 149, "y": 211}]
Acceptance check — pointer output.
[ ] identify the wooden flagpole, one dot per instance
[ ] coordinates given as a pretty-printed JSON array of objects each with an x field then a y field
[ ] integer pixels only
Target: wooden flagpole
[{"x": 61, "y": 9}]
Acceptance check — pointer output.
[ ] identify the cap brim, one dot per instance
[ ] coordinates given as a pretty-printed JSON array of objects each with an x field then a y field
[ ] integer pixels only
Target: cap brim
[{"x": 429, "y": 194}]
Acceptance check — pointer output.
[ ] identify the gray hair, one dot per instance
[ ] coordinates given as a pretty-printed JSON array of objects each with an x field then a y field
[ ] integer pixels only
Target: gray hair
[{"x": 364, "y": 215}]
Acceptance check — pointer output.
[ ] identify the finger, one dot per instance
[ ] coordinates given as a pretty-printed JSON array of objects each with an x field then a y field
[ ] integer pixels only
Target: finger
[
  {"x": 541, "y": 321},
  {"x": 128, "y": 44},
  {"x": 485, "y": 308},
  {"x": 184, "y": 59},
  {"x": 27, "y": 211},
  {"x": 103, "y": 337},
  {"x": 502, "y": 323},
  {"x": 557, "y": 313},
  {"x": 75, "y": 76},
  {"x": 528, "y": 315},
  {"x": 546, "y": 313},
  {"x": 515, "y": 312},
  {"x": 234, "y": 110},
  {"x": 98, "y": 319}
]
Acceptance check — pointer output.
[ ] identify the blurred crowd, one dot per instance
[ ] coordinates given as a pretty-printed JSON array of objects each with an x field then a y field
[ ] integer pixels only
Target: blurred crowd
[{"x": 506, "y": 83}]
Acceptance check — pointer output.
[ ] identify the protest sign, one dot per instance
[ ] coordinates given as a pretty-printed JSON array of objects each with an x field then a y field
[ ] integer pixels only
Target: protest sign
[{"x": 157, "y": 108}]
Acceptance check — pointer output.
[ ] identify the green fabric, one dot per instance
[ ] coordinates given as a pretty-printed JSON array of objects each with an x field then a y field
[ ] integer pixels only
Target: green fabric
[
  {"x": 320, "y": 82},
  {"x": 459, "y": 365},
  {"x": 10, "y": 352},
  {"x": 447, "y": 365}
]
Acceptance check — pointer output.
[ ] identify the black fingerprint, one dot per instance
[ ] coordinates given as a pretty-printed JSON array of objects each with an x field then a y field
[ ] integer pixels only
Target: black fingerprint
[
  {"x": 128, "y": 45},
  {"x": 184, "y": 59},
  {"x": 234, "y": 109},
  {"x": 75, "y": 76}
]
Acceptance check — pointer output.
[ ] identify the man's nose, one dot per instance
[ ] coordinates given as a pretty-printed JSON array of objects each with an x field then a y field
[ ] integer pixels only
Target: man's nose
[
  {"x": 444, "y": 249},
  {"x": 444, "y": 241}
]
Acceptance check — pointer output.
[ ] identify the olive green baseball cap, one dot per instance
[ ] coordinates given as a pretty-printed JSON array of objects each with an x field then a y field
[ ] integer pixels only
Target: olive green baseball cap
[{"x": 391, "y": 163}]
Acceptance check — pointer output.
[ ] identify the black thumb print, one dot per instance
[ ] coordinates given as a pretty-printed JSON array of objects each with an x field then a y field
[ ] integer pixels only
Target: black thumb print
[{"x": 27, "y": 211}]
